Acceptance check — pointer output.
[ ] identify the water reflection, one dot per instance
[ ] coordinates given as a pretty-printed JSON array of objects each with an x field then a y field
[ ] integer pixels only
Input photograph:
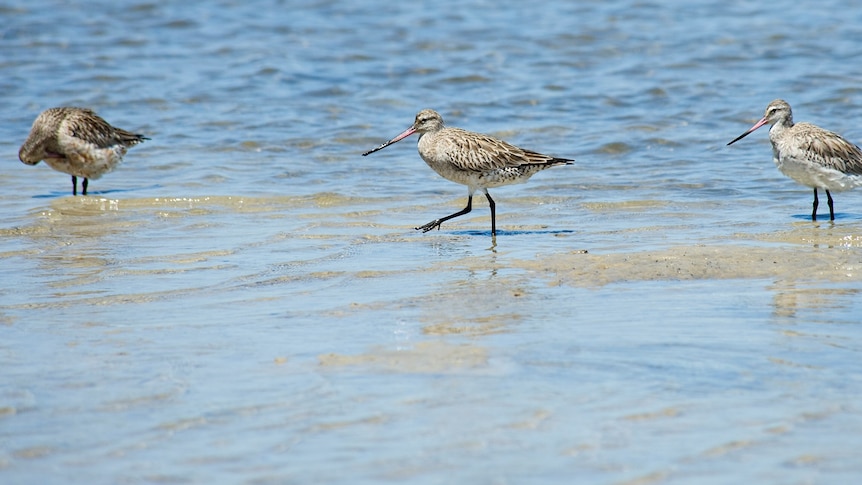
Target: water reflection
[{"x": 802, "y": 300}]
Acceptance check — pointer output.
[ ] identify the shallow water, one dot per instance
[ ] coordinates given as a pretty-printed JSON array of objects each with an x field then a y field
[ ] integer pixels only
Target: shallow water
[{"x": 244, "y": 299}]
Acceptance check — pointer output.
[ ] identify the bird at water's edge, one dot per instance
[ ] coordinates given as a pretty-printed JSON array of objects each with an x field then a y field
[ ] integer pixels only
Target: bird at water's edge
[
  {"x": 78, "y": 142},
  {"x": 478, "y": 161},
  {"x": 810, "y": 155}
]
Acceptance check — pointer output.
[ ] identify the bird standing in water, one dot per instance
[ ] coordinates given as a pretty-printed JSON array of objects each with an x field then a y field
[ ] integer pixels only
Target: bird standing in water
[
  {"x": 78, "y": 142},
  {"x": 472, "y": 159},
  {"x": 809, "y": 154}
]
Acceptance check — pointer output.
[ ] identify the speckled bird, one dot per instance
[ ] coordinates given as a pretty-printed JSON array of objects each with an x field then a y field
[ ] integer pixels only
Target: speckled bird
[
  {"x": 78, "y": 142},
  {"x": 810, "y": 155},
  {"x": 478, "y": 161}
]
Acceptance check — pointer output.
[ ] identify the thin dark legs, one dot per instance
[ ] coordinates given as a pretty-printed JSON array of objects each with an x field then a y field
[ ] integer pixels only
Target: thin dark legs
[
  {"x": 493, "y": 213},
  {"x": 817, "y": 202},
  {"x": 75, "y": 186},
  {"x": 436, "y": 223}
]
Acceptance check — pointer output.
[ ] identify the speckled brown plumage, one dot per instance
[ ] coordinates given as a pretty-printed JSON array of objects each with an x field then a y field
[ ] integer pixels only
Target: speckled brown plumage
[
  {"x": 810, "y": 155},
  {"x": 78, "y": 142},
  {"x": 472, "y": 159}
]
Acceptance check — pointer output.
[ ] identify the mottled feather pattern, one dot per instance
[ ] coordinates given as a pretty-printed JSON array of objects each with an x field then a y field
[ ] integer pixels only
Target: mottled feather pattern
[
  {"x": 475, "y": 159},
  {"x": 478, "y": 161},
  {"x": 828, "y": 149},
  {"x": 76, "y": 141},
  {"x": 89, "y": 127},
  {"x": 82, "y": 159},
  {"x": 810, "y": 155},
  {"x": 476, "y": 152}
]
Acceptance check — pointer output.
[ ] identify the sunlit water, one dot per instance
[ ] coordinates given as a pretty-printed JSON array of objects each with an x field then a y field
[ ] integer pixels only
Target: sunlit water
[{"x": 244, "y": 299}]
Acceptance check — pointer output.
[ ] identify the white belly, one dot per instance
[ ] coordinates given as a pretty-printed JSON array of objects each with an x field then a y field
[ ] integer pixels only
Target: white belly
[{"x": 816, "y": 176}]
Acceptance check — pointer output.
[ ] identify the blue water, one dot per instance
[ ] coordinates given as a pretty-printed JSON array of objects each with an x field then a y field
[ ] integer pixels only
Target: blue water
[{"x": 244, "y": 299}]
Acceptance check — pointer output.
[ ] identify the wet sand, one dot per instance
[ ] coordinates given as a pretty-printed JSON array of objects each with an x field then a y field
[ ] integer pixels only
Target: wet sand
[{"x": 830, "y": 257}]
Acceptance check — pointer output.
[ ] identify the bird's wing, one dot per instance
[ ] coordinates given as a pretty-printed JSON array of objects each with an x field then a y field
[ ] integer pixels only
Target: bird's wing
[
  {"x": 828, "y": 149},
  {"x": 479, "y": 153},
  {"x": 91, "y": 128}
]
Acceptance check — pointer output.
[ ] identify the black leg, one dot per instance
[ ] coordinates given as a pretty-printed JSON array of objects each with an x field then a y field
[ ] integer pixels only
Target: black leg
[
  {"x": 436, "y": 223},
  {"x": 84, "y": 186},
  {"x": 493, "y": 213},
  {"x": 831, "y": 208},
  {"x": 74, "y": 185},
  {"x": 816, "y": 203}
]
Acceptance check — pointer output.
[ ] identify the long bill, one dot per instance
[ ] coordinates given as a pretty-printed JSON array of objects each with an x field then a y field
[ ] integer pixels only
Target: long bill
[
  {"x": 750, "y": 130},
  {"x": 407, "y": 132}
]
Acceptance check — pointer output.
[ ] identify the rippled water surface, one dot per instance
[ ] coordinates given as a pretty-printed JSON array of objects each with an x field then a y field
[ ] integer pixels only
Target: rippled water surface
[{"x": 244, "y": 300}]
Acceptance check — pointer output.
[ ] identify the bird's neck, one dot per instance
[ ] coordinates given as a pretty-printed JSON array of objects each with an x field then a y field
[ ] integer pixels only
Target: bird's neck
[{"x": 780, "y": 127}]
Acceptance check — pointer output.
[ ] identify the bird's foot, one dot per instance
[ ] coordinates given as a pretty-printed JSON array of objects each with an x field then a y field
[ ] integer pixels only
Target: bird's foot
[{"x": 431, "y": 225}]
